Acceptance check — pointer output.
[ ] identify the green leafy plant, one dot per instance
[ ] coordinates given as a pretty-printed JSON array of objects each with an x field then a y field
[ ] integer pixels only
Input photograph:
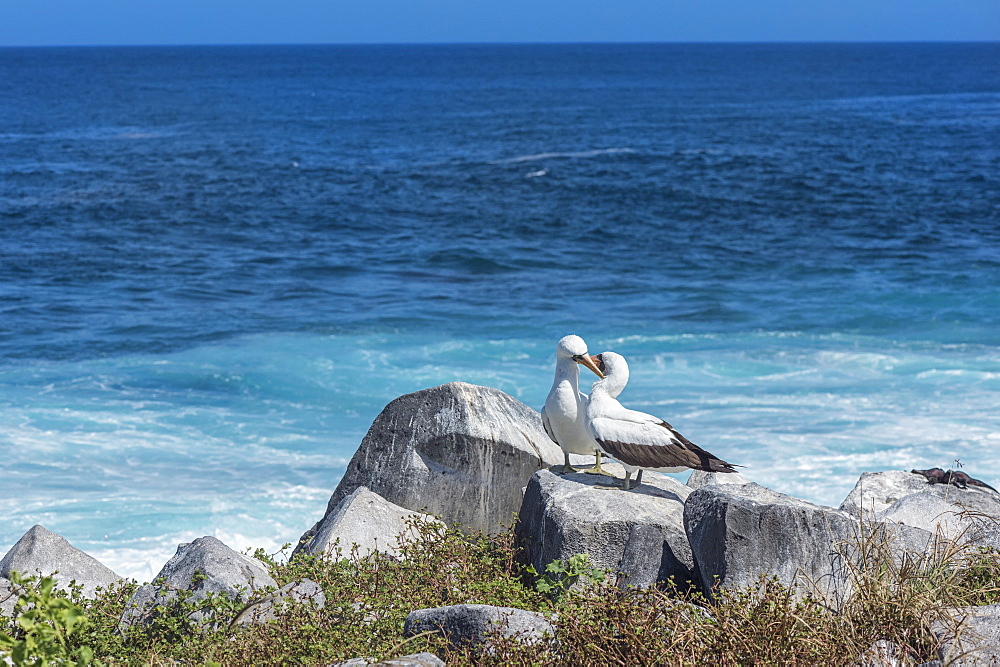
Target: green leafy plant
[
  {"x": 560, "y": 576},
  {"x": 368, "y": 596},
  {"x": 47, "y": 625}
]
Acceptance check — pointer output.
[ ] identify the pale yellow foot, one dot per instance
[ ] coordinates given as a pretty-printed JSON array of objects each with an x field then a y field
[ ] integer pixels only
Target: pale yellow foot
[
  {"x": 565, "y": 468},
  {"x": 597, "y": 469}
]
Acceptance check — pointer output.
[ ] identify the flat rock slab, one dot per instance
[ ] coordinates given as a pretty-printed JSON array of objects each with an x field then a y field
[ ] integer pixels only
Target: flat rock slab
[
  {"x": 700, "y": 478},
  {"x": 977, "y": 639},
  {"x": 638, "y": 533},
  {"x": 473, "y": 624},
  {"x": 459, "y": 451},
  {"x": 203, "y": 566},
  {"x": 740, "y": 533},
  {"x": 40, "y": 552},
  {"x": 367, "y": 520}
]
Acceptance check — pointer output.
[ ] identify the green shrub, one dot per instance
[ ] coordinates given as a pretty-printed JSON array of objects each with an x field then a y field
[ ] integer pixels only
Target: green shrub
[
  {"x": 369, "y": 596},
  {"x": 560, "y": 576},
  {"x": 46, "y": 626}
]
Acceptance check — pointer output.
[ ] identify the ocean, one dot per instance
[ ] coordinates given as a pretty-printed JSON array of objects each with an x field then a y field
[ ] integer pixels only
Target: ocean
[{"x": 218, "y": 264}]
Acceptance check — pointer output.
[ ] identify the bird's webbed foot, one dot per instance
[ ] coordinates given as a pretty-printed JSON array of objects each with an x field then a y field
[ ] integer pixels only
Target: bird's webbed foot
[{"x": 598, "y": 470}]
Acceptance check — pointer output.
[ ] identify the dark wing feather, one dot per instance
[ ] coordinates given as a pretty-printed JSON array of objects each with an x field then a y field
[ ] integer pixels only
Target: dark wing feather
[{"x": 670, "y": 451}]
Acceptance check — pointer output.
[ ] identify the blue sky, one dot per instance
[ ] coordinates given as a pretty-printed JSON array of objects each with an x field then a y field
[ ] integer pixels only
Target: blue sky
[{"x": 104, "y": 22}]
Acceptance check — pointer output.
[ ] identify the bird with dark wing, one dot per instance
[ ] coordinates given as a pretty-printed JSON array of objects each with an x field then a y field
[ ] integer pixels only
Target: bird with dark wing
[{"x": 639, "y": 441}]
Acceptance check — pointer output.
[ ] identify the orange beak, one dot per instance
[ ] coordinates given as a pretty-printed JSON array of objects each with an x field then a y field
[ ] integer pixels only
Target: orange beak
[{"x": 588, "y": 361}]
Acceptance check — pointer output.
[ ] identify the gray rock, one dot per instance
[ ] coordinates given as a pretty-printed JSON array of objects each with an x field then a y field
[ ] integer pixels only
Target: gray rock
[
  {"x": 412, "y": 660},
  {"x": 700, "y": 478},
  {"x": 973, "y": 636},
  {"x": 367, "y": 520},
  {"x": 638, "y": 533},
  {"x": 931, "y": 512},
  {"x": 41, "y": 552},
  {"x": 740, "y": 533},
  {"x": 473, "y": 624},
  {"x": 876, "y": 491},
  {"x": 969, "y": 515},
  {"x": 8, "y": 596},
  {"x": 458, "y": 451},
  {"x": 225, "y": 572},
  {"x": 271, "y": 607}
]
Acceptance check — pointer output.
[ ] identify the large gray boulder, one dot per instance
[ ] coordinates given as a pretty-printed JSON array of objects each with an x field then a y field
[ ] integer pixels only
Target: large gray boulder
[
  {"x": 40, "y": 552},
  {"x": 458, "y": 451},
  {"x": 367, "y": 520},
  {"x": 473, "y": 624},
  {"x": 202, "y": 567},
  {"x": 638, "y": 533},
  {"x": 972, "y": 637},
  {"x": 877, "y": 491},
  {"x": 740, "y": 533},
  {"x": 970, "y": 515}
]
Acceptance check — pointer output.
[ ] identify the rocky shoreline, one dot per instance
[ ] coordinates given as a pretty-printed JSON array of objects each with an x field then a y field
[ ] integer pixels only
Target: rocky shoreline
[{"x": 475, "y": 458}]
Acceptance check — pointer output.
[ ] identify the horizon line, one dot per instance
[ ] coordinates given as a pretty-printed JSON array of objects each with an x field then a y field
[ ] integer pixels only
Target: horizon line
[{"x": 508, "y": 43}]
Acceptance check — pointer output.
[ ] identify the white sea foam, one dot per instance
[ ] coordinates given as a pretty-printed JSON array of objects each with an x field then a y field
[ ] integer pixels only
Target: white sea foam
[
  {"x": 150, "y": 452},
  {"x": 573, "y": 154}
]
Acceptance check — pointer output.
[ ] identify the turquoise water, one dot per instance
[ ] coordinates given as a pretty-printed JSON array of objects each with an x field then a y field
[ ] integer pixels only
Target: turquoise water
[{"x": 219, "y": 264}]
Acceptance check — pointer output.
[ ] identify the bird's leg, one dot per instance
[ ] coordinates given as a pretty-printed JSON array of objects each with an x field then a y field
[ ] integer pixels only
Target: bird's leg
[
  {"x": 597, "y": 469},
  {"x": 638, "y": 478},
  {"x": 628, "y": 477},
  {"x": 565, "y": 468}
]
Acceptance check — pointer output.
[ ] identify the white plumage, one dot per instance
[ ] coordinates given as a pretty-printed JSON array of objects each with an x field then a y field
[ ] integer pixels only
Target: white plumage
[
  {"x": 565, "y": 411},
  {"x": 639, "y": 441}
]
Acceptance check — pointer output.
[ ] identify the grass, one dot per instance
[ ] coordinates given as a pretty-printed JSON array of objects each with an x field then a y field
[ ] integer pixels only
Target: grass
[{"x": 367, "y": 598}]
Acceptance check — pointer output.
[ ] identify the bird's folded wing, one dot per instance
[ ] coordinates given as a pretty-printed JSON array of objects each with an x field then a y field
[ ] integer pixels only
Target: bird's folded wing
[
  {"x": 547, "y": 427},
  {"x": 652, "y": 445}
]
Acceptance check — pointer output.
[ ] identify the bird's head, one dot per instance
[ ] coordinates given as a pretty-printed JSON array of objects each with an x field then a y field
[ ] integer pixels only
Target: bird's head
[
  {"x": 573, "y": 347},
  {"x": 614, "y": 370}
]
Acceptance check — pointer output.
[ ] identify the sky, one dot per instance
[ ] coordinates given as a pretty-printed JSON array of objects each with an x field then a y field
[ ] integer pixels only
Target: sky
[{"x": 127, "y": 22}]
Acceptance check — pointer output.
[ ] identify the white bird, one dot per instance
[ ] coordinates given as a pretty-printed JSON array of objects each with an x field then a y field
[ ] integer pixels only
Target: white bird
[
  {"x": 639, "y": 441},
  {"x": 564, "y": 414}
]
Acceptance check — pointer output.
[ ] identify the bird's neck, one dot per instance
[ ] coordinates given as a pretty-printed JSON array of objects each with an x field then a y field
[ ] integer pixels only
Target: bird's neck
[
  {"x": 567, "y": 371},
  {"x": 610, "y": 385}
]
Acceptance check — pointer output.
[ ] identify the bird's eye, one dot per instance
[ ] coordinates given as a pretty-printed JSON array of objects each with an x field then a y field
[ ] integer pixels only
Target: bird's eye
[{"x": 598, "y": 359}]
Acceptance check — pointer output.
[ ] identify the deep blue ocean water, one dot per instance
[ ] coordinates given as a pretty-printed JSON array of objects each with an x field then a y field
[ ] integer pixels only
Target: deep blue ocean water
[{"x": 217, "y": 264}]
